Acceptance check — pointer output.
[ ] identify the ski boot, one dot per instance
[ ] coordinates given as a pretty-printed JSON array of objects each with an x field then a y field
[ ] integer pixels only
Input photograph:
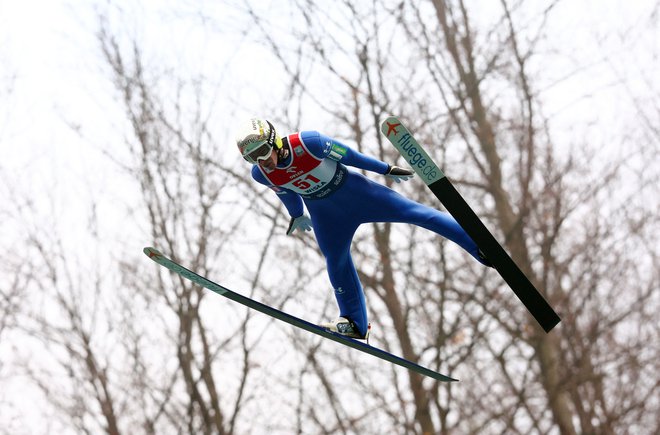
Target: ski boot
[
  {"x": 345, "y": 327},
  {"x": 484, "y": 260}
]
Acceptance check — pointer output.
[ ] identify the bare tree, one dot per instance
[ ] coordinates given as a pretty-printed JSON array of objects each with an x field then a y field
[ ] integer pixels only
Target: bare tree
[
  {"x": 180, "y": 193},
  {"x": 130, "y": 347},
  {"x": 469, "y": 94},
  {"x": 9, "y": 289},
  {"x": 116, "y": 344}
]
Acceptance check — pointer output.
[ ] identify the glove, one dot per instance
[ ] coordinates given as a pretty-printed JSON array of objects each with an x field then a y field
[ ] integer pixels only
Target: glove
[
  {"x": 300, "y": 223},
  {"x": 399, "y": 174}
]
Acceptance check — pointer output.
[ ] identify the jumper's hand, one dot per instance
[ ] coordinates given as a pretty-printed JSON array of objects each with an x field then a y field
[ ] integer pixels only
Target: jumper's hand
[
  {"x": 399, "y": 174},
  {"x": 300, "y": 223}
]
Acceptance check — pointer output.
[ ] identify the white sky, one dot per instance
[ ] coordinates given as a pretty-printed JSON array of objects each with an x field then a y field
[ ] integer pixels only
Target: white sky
[
  {"x": 50, "y": 49},
  {"x": 49, "y": 46}
]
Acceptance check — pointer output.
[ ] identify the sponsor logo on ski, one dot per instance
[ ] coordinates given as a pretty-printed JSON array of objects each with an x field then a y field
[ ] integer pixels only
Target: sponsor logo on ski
[
  {"x": 417, "y": 158},
  {"x": 391, "y": 128},
  {"x": 152, "y": 253},
  {"x": 192, "y": 276}
]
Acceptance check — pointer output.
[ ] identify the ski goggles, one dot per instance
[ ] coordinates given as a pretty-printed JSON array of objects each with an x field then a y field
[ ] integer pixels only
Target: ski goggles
[{"x": 262, "y": 151}]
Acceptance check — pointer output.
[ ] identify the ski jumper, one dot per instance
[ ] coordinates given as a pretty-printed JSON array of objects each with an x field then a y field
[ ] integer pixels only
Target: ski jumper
[{"x": 339, "y": 201}]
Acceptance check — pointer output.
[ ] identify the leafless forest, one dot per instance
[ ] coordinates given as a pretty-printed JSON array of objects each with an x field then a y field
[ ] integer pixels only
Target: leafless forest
[{"x": 103, "y": 341}]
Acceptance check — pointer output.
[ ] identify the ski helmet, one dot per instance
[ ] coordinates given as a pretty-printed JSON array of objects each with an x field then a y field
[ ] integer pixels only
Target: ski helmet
[{"x": 256, "y": 139}]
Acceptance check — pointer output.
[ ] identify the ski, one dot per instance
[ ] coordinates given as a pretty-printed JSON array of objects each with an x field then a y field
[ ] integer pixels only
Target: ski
[
  {"x": 442, "y": 188},
  {"x": 162, "y": 260}
]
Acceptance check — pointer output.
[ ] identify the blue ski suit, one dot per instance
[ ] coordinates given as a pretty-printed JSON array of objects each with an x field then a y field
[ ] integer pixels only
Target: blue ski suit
[{"x": 339, "y": 201}]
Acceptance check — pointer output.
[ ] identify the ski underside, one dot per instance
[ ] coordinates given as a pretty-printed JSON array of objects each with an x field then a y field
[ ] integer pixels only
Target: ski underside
[
  {"x": 435, "y": 179},
  {"x": 162, "y": 260}
]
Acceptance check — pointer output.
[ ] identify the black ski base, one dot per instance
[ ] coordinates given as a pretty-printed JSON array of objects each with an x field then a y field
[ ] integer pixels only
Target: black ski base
[{"x": 538, "y": 307}]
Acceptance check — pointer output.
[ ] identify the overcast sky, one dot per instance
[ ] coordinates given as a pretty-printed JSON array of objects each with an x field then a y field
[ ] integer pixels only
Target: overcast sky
[
  {"x": 49, "y": 47},
  {"x": 59, "y": 115}
]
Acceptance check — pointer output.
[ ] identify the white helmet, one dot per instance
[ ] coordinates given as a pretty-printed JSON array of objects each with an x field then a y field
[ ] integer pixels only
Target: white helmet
[{"x": 256, "y": 139}]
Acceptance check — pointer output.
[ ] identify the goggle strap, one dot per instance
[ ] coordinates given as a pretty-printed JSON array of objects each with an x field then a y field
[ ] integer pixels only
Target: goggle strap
[{"x": 271, "y": 134}]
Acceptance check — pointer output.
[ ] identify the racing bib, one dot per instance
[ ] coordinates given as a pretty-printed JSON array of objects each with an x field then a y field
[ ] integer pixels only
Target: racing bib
[{"x": 307, "y": 175}]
